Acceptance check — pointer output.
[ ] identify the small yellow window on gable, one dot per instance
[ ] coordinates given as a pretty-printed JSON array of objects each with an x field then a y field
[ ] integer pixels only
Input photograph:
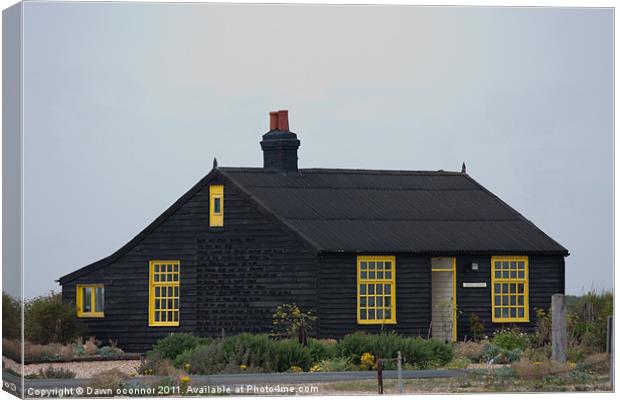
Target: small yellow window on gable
[
  {"x": 216, "y": 205},
  {"x": 89, "y": 300}
]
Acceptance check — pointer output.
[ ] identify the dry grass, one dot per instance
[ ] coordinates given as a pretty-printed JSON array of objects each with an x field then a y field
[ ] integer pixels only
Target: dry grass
[
  {"x": 109, "y": 379},
  {"x": 471, "y": 350},
  {"x": 526, "y": 369}
]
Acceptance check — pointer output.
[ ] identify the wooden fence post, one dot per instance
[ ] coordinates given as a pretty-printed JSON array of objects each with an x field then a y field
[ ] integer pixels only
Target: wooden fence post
[
  {"x": 558, "y": 328},
  {"x": 399, "y": 365},
  {"x": 610, "y": 349},
  {"x": 379, "y": 366}
]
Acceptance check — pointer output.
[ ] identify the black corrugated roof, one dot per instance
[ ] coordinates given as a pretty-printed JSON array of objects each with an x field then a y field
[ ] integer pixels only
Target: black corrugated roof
[{"x": 393, "y": 211}]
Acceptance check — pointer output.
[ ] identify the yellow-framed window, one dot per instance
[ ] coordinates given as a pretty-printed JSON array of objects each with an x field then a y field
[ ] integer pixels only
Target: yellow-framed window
[
  {"x": 216, "y": 205},
  {"x": 510, "y": 291},
  {"x": 164, "y": 296},
  {"x": 89, "y": 300},
  {"x": 376, "y": 290}
]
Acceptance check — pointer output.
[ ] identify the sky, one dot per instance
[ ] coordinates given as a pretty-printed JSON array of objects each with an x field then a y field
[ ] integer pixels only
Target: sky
[{"x": 125, "y": 106}]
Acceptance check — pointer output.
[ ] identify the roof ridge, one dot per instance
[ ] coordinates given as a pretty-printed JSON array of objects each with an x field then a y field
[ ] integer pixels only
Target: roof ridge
[{"x": 349, "y": 171}]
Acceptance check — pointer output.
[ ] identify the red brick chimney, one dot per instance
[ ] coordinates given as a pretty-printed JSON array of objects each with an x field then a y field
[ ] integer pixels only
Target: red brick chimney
[{"x": 278, "y": 121}]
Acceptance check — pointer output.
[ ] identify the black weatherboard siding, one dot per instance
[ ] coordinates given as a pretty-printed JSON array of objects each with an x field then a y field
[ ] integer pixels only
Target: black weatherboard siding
[{"x": 294, "y": 235}]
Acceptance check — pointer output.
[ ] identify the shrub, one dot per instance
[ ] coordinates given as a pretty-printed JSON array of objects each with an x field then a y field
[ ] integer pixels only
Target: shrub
[
  {"x": 419, "y": 352},
  {"x": 367, "y": 362},
  {"x": 470, "y": 350},
  {"x": 587, "y": 320},
  {"x": 322, "y": 349},
  {"x": 539, "y": 353},
  {"x": 336, "y": 364},
  {"x": 525, "y": 368},
  {"x": 512, "y": 339},
  {"x": 476, "y": 327},
  {"x": 497, "y": 355},
  {"x": 52, "y": 373},
  {"x": 542, "y": 334},
  {"x": 205, "y": 359},
  {"x": 12, "y": 348},
  {"x": 247, "y": 349},
  {"x": 458, "y": 363},
  {"x": 173, "y": 345},
  {"x": 288, "y": 318},
  {"x": 110, "y": 379},
  {"x": 287, "y": 353},
  {"x": 155, "y": 365},
  {"x": 49, "y": 320},
  {"x": 11, "y": 317}
]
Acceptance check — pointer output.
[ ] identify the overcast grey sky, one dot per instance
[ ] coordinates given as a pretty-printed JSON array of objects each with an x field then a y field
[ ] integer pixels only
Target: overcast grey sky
[{"x": 127, "y": 104}]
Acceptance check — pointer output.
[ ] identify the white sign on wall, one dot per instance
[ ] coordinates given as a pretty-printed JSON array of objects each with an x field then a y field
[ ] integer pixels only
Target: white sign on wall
[{"x": 474, "y": 284}]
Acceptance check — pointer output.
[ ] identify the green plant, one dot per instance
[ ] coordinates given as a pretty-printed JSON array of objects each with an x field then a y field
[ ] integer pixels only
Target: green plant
[
  {"x": 52, "y": 373},
  {"x": 290, "y": 352},
  {"x": 287, "y": 320},
  {"x": 367, "y": 362},
  {"x": 204, "y": 359},
  {"x": 173, "y": 345},
  {"x": 542, "y": 333},
  {"x": 587, "y": 319},
  {"x": 49, "y": 320},
  {"x": 11, "y": 317},
  {"x": 336, "y": 364},
  {"x": 458, "y": 363},
  {"x": 476, "y": 327},
  {"x": 511, "y": 339},
  {"x": 322, "y": 349}
]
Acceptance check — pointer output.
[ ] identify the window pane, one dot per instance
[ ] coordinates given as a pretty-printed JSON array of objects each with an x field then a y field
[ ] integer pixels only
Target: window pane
[
  {"x": 505, "y": 264},
  {"x": 504, "y": 313},
  {"x": 176, "y": 291},
  {"x": 498, "y": 312},
  {"x": 379, "y": 274},
  {"x": 156, "y": 268},
  {"x": 521, "y": 274},
  {"x": 363, "y": 274},
  {"x": 379, "y": 314},
  {"x": 513, "y": 300},
  {"x": 513, "y": 313},
  {"x": 363, "y": 265},
  {"x": 371, "y": 275},
  {"x": 157, "y": 304},
  {"x": 157, "y": 316},
  {"x": 379, "y": 301},
  {"x": 497, "y": 300},
  {"x": 388, "y": 274},
  {"x": 156, "y": 277},
  {"x": 379, "y": 289},
  {"x": 371, "y": 314},
  {"x": 371, "y": 301},
  {"x": 505, "y": 274},
  {"x": 513, "y": 288},
  {"x": 87, "y": 297},
  {"x": 371, "y": 289},
  {"x": 217, "y": 205},
  {"x": 379, "y": 265},
  {"x": 362, "y": 301},
  {"x": 176, "y": 267},
  {"x": 388, "y": 313},
  {"x": 520, "y": 300},
  {"x": 371, "y": 265},
  {"x": 497, "y": 288},
  {"x": 387, "y": 289},
  {"x": 521, "y": 265},
  {"x": 504, "y": 288},
  {"x": 513, "y": 265},
  {"x": 388, "y": 301},
  {"x": 498, "y": 265},
  {"x": 498, "y": 274},
  {"x": 520, "y": 312},
  {"x": 157, "y": 291},
  {"x": 362, "y": 289},
  {"x": 99, "y": 299},
  {"x": 513, "y": 274},
  {"x": 363, "y": 314},
  {"x": 388, "y": 265},
  {"x": 504, "y": 300}
]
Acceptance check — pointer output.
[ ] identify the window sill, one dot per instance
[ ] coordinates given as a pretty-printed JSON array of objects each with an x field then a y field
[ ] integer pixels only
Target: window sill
[
  {"x": 509, "y": 320},
  {"x": 90, "y": 315},
  {"x": 376, "y": 322}
]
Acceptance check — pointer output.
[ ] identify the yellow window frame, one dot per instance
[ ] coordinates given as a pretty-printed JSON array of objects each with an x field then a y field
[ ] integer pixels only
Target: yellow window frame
[
  {"x": 526, "y": 290},
  {"x": 163, "y": 284},
  {"x": 391, "y": 282},
  {"x": 216, "y": 192},
  {"x": 79, "y": 295}
]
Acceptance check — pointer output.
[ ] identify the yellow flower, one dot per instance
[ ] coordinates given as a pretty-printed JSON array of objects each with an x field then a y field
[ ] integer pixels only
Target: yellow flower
[
  {"x": 571, "y": 365},
  {"x": 243, "y": 366},
  {"x": 187, "y": 365},
  {"x": 367, "y": 361},
  {"x": 296, "y": 368},
  {"x": 315, "y": 368},
  {"x": 185, "y": 379}
]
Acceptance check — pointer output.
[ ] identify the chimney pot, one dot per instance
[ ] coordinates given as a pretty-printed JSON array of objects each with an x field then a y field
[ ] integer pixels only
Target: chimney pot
[
  {"x": 283, "y": 120},
  {"x": 273, "y": 120}
]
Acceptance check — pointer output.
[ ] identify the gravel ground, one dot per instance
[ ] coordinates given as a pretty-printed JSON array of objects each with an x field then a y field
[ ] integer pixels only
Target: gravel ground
[{"x": 85, "y": 369}]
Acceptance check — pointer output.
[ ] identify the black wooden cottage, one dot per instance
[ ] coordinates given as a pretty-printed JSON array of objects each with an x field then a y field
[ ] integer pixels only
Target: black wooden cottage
[{"x": 416, "y": 252}]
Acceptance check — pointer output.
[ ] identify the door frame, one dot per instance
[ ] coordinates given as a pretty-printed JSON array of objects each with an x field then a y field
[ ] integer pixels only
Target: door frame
[{"x": 454, "y": 312}]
